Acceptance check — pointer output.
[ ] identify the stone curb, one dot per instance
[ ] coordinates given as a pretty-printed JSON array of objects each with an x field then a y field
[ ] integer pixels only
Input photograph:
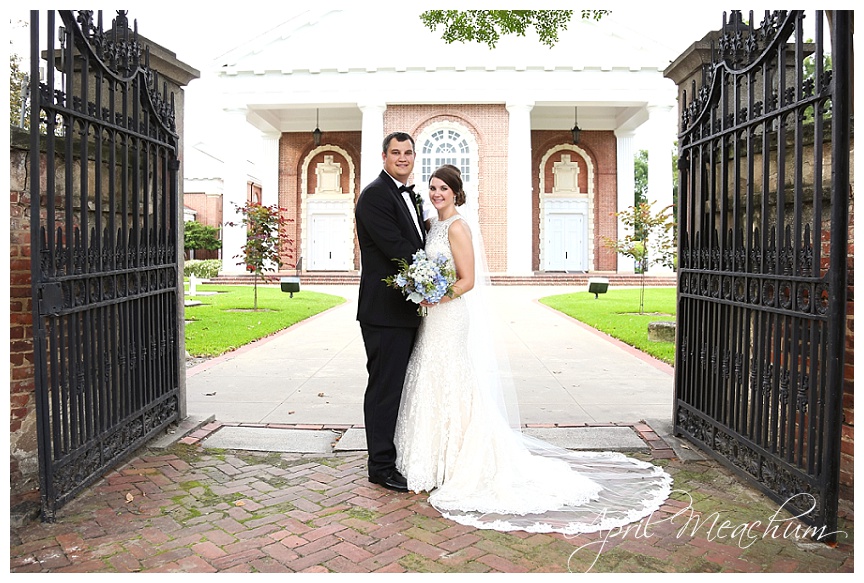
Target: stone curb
[{"x": 200, "y": 430}]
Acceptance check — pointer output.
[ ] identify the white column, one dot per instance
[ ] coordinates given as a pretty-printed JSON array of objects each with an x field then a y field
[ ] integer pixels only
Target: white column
[
  {"x": 270, "y": 168},
  {"x": 234, "y": 191},
  {"x": 519, "y": 188},
  {"x": 626, "y": 189},
  {"x": 372, "y": 136},
  {"x": 661, "y": 139}
]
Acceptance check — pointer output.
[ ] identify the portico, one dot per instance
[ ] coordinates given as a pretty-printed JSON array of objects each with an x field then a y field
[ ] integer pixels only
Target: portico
[{"x": 503, "y": 117}]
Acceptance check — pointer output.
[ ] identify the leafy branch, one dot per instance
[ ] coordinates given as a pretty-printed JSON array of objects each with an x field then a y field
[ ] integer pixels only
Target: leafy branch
[{"x": 487, "y": 26}]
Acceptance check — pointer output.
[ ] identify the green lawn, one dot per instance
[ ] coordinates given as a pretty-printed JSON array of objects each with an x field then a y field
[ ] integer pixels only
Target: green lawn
[
  {"x": 616, "y": 313},
  {"x": 225, "y": 321}
]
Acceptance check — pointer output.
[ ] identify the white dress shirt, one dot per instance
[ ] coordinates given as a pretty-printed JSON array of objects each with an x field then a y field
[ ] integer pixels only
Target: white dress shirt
[{"x": 410, "y": 204}]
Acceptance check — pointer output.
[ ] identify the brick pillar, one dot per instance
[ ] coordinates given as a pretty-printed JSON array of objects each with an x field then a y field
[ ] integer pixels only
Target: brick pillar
[
  {"x": 23, "y": 450},
  {"x": 519, "y": 189}
]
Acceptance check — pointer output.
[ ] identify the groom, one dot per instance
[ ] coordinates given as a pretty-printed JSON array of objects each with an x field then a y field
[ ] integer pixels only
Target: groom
[{"x": 388, "y": 228}]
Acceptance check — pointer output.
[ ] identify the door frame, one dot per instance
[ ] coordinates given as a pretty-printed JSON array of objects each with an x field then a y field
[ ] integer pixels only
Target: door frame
[
  {"x": 330, "y": 209},
  {"x": 312, "y": 204},
  {"x": 582, "y": 202},
  {"x": 557, "y": 207}
]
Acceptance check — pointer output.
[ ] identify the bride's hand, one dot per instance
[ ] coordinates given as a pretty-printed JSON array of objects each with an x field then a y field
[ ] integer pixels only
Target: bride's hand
[{"x": 426, "y": 304}]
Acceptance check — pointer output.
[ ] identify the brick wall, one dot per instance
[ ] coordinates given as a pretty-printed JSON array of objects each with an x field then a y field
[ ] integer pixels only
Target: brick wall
[
  {"x": 488, "y": 124},
  {"x": 602, "y": 149},
  {"x": 847, "y": 429},
  {"x": 208, "y": 207},
  {"x": 338, "y": 158},
  {"x": 293, "y": 149},
  {"x": 23, "y": 451}
]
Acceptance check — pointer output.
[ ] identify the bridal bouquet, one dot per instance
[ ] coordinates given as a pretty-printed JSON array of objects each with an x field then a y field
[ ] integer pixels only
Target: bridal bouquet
[{"x": 424, "y": 279}]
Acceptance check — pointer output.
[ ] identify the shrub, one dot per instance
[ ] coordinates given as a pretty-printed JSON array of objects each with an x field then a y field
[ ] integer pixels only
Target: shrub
[
  {"x": 202, "y": 269},
  {"x": 197, "y": 236}
]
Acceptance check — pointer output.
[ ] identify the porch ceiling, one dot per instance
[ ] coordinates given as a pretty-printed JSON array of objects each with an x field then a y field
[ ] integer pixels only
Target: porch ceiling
[{"x": 348, "y": 117}]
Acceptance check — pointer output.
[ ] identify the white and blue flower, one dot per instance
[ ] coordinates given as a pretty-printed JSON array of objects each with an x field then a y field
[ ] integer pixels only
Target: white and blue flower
[{"x": 424, "y": 279}]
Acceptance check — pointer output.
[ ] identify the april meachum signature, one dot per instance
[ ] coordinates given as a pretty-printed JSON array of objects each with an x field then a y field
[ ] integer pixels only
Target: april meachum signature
[{"x": 713, "y": 527}]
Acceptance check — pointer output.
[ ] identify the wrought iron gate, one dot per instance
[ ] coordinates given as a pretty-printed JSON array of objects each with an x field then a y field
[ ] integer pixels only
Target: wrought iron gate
[
  {"x": 103, "y": 238},
  {"x": 763, "y": 224}
]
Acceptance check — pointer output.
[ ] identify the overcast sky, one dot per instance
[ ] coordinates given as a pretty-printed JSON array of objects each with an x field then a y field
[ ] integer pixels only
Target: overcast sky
[
  {"x": 198, "y": 34},
  {"x": 184, "y": 31}
]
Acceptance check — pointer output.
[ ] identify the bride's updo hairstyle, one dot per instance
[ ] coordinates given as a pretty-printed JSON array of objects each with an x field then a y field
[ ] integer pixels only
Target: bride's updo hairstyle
[{"x": 452, "y": 177}]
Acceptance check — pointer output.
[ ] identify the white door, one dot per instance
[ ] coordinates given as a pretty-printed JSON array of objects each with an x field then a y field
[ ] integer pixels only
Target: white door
[
  {"x": 565, "y": 242},
  {"x": 554, "y": 251},
  {"x": 327, "y": 236},
  {"x": 574, "y": 251}
]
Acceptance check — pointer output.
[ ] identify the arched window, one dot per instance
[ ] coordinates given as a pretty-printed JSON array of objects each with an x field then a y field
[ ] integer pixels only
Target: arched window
[{"x": 445, "y": 146}]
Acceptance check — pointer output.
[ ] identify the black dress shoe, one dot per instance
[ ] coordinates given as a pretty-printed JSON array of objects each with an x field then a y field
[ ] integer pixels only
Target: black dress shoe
[{"x": 391, "y": 480}]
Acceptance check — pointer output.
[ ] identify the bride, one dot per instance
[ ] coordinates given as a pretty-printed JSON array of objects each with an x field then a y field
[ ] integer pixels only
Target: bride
[{"x": 453, "y": 437}]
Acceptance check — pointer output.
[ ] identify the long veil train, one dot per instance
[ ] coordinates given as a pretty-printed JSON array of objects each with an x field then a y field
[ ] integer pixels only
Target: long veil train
[{"x": 506, "y": 480}]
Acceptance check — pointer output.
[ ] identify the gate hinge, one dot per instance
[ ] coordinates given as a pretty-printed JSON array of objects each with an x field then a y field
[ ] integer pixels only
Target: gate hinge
[{"x": 51, "y": 299}]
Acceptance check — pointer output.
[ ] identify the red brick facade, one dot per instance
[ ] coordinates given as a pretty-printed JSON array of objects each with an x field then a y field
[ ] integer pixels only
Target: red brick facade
[
  {"x": 293, "y": 151},
  {"x": 601, "y": 148},
  {"x": 488, "y": 126},
  {"x": 23, "y": 468}
]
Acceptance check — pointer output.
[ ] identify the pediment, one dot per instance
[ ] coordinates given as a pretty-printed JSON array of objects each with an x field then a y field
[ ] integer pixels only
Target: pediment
[{"x": 358, "y": 40}]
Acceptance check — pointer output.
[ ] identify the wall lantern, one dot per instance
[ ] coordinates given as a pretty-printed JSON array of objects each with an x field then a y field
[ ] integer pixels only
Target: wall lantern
[
  {"x": 316, "y": 133},
  {"x": 575, "y": 131}
]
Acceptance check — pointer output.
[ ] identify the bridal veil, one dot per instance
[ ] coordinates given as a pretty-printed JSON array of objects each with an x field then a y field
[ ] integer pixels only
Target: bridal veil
[{"x": 506, "y": 480}]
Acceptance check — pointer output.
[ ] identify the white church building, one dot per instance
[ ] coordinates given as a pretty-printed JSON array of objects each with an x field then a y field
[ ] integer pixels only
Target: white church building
[{"x": 504, "y": 116}]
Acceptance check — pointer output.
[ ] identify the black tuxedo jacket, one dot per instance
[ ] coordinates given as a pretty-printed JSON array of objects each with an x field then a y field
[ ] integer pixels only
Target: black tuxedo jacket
[{"x": 385, "y": 231}]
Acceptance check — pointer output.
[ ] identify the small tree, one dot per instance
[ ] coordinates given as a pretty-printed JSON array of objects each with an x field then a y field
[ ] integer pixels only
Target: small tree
[
  {"x": 198, "y": 236},
  {"x": 265, "y": 228},
  {"x": 810, "y": 79},
  {"x": 19, "y": 103},
  {"x": 640, "y": 184},
  {"x": 640, "y": 176},
  {"x": 650, "y": 240}
]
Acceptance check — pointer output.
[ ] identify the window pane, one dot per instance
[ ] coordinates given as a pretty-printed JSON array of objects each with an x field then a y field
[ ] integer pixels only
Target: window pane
[{"x": 445, "y": 147}]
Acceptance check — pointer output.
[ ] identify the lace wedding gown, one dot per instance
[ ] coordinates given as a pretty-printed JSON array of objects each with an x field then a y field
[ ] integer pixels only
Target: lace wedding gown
[{"x": 453, "y": 440}]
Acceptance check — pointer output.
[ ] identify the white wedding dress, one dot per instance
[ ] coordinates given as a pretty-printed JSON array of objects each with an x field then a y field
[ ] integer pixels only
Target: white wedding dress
[{"x": 453, "y": 440}]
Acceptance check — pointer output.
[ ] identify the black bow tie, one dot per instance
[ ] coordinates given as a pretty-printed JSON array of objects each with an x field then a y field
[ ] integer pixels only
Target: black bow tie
[{"x": 409, "y": 188}]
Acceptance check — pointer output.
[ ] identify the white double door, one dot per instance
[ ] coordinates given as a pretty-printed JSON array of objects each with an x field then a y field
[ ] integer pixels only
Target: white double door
[
  {"x": 330, "y": 236},
  {"x": 565, "y": 242}
]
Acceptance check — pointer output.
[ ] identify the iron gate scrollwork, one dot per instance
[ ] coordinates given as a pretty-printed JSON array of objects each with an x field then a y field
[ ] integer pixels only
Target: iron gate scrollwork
[
  {"x": 104, "y": 163},
  {"x": 763, "y": 223}
]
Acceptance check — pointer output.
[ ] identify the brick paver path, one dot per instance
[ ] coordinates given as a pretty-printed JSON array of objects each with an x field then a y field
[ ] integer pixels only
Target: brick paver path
[{"x": 192, "y": 510}]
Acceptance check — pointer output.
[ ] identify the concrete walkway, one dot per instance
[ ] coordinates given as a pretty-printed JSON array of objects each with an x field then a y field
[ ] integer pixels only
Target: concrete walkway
[{"x": 314, "y": 374}]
